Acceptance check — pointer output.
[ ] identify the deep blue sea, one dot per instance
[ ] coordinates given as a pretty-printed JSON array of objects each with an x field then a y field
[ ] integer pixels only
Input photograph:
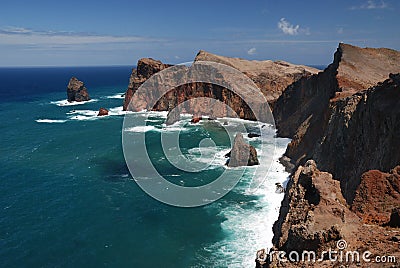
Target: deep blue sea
[{"x": 67, "y": 198}]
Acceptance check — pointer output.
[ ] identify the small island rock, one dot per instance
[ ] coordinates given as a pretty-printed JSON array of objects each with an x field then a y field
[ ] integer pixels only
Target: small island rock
[
  {"x": 76, "y": 90},
  {"x": 242, "y": 154},
  {"x": 102, "y": 112}
]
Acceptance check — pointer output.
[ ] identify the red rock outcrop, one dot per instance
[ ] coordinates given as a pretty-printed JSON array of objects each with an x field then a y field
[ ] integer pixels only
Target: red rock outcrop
[
  {"x": 271, "y": 77},
  {"x": 377, "y": 196},
  {"x": 102, "y": 112},
  {"x": 196, "y": 119},
  {"x": 76, "y": 90}
]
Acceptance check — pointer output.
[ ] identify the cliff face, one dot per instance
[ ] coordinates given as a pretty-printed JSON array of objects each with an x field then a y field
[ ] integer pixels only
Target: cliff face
[
  {"x": 312, "y": 197},
  {"x": 347, "y": 119},
  {"x": 314, "y": 216},
  {"x": 271, "y": 77},
  {"x": 145, "y": 69},
  {"x": 334, "y": 119},
  {"x": 362, "y": 134}
]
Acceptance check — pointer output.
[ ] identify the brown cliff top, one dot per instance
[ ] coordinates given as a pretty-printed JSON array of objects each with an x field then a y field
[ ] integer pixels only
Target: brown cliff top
[
  {"x": 255, "y": 67},
  {"x": 361, "y": 68}
]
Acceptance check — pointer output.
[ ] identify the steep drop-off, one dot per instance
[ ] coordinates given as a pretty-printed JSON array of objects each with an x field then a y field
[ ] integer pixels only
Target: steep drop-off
[
  {"x": 336, "y": 120},
  {"x": 347, "y": 119},
  {"x": 271, "y": 77}
]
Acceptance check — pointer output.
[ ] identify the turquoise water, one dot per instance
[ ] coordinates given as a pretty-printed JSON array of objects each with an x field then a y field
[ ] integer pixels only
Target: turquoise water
[{"x": 67, "y": 198}]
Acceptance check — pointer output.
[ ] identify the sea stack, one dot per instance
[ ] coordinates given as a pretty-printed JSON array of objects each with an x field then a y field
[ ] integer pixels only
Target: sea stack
[
  {"x": 76, "y": 91},
  {"x": 242, "y": 154}
]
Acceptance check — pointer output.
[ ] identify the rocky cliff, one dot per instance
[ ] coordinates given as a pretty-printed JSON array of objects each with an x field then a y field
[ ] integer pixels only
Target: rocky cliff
[
  {"x": 314, "y": 216},
  {"x": 146, "y": 67},
  {"x": 76, "y": 90},
  {"x": 271, "y": 77},
  {"x": 347, "y": 119}
]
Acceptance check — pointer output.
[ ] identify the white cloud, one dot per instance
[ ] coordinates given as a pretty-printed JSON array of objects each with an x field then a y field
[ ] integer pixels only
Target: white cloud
[
  {"x": 24, "y": 36},
  {"x": 370, "y": 4},
  {"x": 252, "y": 51},
  {"x": 288, "y": 28},
  {"x": 340, "y": 30}
]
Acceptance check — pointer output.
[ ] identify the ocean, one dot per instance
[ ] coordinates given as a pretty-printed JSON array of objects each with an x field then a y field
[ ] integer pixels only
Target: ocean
[{"x": 67, "y": 198}]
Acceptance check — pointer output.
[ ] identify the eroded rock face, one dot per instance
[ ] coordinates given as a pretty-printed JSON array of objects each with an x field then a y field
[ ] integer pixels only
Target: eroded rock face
[
  {"x": 313, "y": 212},
  {"x": 314, "y": 215},
  {"x": 345, "y": 118},
  {"x": 76, "y": 90},
  {"x": 102, "y": 112},
  {"x": 271, "y": 77},
  {"x": 377, "y": 196},
  {"x": 146, "y": 67},
  {"x": 242, "y": 154}
]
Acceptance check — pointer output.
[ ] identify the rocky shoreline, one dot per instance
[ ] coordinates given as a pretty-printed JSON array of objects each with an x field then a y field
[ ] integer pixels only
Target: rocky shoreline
[
  {"x": 344, "y": 160},
  {"x": 345, "y": 128}
]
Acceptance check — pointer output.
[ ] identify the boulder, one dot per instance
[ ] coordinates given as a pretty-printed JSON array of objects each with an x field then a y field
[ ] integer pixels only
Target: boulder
[
  {"x": 102, "y": 112},
  {"x": 76, "y": 90},
  {"x": 196, "y": 119},
  {"x": 242, "y": 154}
]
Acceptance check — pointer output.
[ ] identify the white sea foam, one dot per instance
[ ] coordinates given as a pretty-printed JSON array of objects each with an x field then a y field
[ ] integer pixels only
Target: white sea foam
[
  {"x": 248, "y": 224},
  {"x": 84, "y": 112},
  {"x": 116, "y": 96},
  {"x": 161, "y": 114},
  {"x": 139, "y": 129},
  {"x": 92, "y": 114},
  {"x": 67, "y": 103},
  {"x": 50, "y": 121},
  {"x": 82, "y": 115},
  {"x": 83, "y": 118},
  {"x": 152, "y": 120},
  {"x": 118, "y": 111},
  {"x": 173, "y": 128},
  {"x": 215, "y": 156}
]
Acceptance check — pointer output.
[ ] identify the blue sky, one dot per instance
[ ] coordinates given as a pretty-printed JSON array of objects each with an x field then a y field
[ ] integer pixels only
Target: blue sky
[{"x": 85, "y": 33}]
